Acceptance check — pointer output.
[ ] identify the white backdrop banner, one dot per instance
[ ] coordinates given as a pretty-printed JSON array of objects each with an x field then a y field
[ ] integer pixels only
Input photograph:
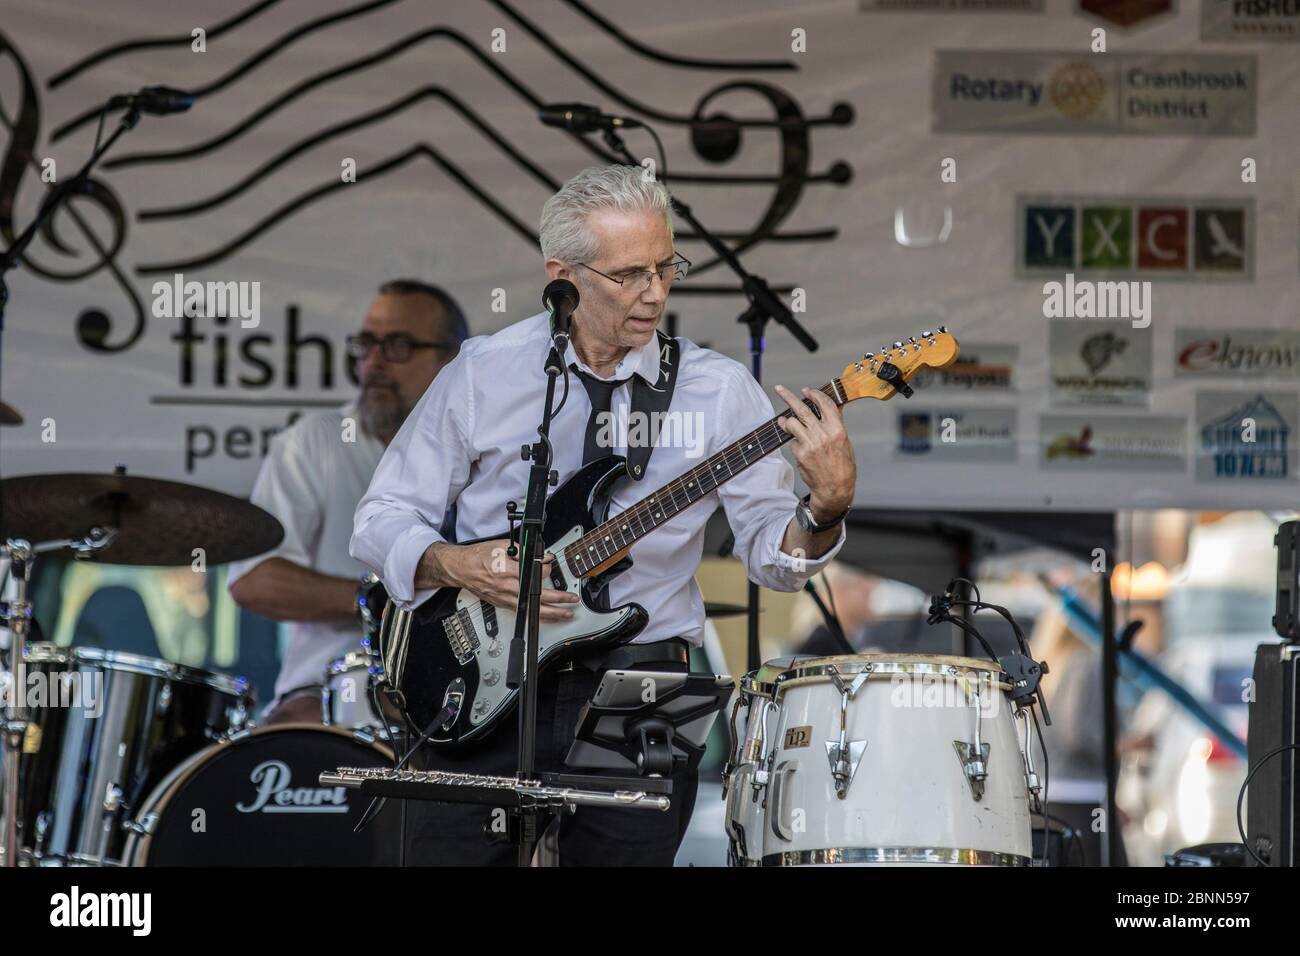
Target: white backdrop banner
[{"x": 902, "y": 166}]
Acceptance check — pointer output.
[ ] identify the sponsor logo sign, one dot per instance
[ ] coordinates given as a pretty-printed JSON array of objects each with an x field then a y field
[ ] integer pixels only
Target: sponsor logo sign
[
  {"x": 1112, "y": 443},
  {"x": 1261, "y": 353},
  {"x": 1126, "y": 13},
  {"x": 1251, "y": 21},
  {"x": 1246, "y": 436},
  {"x": 952, "y": 6},
  {"x": 1094, "y": 363},
  {"x": 979, "y": 368},
  {"x": 1151, "y": 238},
  {"x": 1158, "y": 94},
  {"x": 953, "y": 434}
]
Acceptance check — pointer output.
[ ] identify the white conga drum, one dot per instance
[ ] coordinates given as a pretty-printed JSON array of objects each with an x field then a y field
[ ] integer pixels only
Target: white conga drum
[
  {"x": 903, "y": 759},
  {"x": 753, "y": 719}
]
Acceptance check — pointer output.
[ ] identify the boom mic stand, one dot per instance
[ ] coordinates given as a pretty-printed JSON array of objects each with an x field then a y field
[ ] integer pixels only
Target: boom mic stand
[{"x": 764, "y": 305}]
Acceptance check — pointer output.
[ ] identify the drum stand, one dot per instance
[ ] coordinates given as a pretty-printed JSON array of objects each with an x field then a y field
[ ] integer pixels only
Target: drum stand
[{"x": 17, "y": 617}]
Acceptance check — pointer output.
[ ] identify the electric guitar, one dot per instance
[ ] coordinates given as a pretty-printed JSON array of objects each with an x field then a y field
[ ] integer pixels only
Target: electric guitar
[{"x": 445, "y": 662}]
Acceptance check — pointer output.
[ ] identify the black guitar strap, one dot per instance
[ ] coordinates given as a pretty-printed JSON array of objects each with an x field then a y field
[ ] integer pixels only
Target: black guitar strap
[{"x": 653, "y": 399}]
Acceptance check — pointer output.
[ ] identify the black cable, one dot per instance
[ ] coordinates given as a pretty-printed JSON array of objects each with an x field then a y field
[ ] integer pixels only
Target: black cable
[
  {"x": 1047, "y": 773},
  {"x": 1241, "y": 796}
]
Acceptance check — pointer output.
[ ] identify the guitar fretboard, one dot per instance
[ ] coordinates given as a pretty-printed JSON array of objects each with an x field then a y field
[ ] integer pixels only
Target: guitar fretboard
[{"x": 624, "y": 529}]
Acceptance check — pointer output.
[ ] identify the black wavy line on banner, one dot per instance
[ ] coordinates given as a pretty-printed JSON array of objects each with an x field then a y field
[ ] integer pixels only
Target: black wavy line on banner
[
  {"x": 420, "y": 149},
  {"x": 93, "y": 325},
  {"x": 117, "y": 49},
  {"x": 309, "y": 84},
  {"x": 837, "y": 116},
  {"x": 374, "y": 116},
  {"x": 708, "y": 129},
  {"x": 751, "y": 66},
  {"x": 464, "y": 110},
  {"x": 363, "y": 177},
  {"x": 249, "y": 65}
]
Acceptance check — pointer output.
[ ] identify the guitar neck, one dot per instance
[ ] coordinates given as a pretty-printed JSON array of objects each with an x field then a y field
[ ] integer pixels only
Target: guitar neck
[{"x": 626, "y": 528}]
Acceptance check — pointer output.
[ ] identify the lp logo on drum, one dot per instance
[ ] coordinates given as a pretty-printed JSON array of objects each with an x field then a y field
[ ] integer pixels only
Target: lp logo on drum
[{"x": 68, "y": 689}]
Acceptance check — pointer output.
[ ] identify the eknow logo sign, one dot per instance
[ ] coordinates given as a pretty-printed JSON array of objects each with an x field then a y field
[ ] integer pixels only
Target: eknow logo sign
[
  {"x": 1160, "y": 238},
  {"x": 1257, "y": 353}
]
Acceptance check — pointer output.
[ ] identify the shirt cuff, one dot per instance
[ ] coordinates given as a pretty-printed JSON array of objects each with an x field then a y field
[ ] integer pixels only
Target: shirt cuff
[
  {"x": 804, "y": 566},
  {"x": 401, "y": 564}
]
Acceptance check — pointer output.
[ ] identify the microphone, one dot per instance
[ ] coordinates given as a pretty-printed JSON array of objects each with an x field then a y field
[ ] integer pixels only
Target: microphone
[
  {"x": 155, "y": 100},
  {"x": 581, "y": 118},
  {"x": 560, "y": 298}
]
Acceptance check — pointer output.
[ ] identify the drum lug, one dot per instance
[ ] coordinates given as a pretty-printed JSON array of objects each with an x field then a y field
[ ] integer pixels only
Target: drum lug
[
  {"x": 844, "y": 770},
  {"x": 974, "y": 764},
  {"x": 144, "y": 826},
  {"x": 843, "y": 754},
  {"x": 112, "y": 798}
]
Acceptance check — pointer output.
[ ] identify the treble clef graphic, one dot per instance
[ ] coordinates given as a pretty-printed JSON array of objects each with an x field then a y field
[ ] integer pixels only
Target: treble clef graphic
[
  {"x": 93, "y": 325},
  {"x": 717, "y": 138}
]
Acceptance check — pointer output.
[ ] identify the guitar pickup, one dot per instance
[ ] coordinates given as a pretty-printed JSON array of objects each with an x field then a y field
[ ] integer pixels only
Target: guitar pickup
[{"x": 489, "y": 618}]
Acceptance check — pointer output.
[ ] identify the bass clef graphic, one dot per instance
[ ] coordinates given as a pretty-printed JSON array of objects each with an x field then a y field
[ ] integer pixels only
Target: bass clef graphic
[
  {"x": 93, "y": 325},
  {"x": 717, "y": 138}
]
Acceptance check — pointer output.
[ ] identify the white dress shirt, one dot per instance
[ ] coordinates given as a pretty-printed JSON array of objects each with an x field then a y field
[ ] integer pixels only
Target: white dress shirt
[
  {"x": 462, "y": 442},
  {"x": 311, "y": 481}
]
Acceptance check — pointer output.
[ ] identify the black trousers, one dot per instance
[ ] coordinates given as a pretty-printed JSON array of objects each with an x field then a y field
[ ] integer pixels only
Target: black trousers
[{"x": 446, "y": 834}]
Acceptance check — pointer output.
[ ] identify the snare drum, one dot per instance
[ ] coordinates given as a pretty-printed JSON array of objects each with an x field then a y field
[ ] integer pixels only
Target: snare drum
[
  {"x": 895, "y": 759},
  {"x": 110, "y": 727},
  {"x": 346, "y": 698}
]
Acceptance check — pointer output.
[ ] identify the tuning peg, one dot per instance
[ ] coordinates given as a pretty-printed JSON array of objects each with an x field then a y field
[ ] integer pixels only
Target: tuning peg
[
  {"x": 925, "y": 335},
  {"x": 898, "y": 345},
  {"x": 911, "y": 338},
  {"x": 943, "y": 329}
]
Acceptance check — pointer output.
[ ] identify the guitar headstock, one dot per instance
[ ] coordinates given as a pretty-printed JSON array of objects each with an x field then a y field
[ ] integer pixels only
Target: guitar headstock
[{"x": 927, "y": 350}]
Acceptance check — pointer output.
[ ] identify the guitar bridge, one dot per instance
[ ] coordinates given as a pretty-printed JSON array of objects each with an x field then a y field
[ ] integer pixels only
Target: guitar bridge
[{"x": 461, "y": 635}]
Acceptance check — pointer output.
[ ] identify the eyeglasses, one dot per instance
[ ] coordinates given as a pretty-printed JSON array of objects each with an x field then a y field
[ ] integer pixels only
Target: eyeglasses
[
  {"x": 396, "y": 347},
  {"x": 639, "y": 280}
]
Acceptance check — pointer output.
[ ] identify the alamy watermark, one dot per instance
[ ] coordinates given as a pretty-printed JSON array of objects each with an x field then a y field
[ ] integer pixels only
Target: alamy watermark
[
  {"x": 672, "y": 429},
  {"x": 1085, "y": 299},
  {"x": 241, "y": 300}
]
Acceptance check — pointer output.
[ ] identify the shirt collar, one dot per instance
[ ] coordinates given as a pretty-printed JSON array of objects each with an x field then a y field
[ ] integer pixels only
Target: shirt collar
[{"x": 643, "y": 361}]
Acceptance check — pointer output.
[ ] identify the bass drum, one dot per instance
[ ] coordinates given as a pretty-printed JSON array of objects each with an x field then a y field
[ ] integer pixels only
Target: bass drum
[{"x": 256, "y": 800}]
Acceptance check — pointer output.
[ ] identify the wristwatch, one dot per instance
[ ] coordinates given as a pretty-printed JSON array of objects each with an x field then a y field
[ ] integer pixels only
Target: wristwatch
[{"x": 806, "y": 520}]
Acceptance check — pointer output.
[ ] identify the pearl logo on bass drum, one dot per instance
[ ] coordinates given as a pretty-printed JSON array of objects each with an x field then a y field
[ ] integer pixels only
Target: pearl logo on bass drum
[{"x": 274, "y": 795}]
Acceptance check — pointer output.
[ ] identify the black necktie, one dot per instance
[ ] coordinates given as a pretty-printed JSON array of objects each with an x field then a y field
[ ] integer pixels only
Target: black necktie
[{"x": 601, "y": 394}]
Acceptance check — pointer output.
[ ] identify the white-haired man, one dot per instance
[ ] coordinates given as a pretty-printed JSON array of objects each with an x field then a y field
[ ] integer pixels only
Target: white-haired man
[{"x": 609, "y": 231}]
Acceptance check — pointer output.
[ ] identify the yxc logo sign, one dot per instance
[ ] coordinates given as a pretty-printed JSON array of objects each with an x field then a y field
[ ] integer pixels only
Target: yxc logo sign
[{"x": 1160, "y": 238}]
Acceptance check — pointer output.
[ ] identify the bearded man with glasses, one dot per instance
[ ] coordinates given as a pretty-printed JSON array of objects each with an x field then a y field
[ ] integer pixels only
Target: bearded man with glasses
[
  {"x": 316, "y": 471},
  {"x": 608, "y": 230}
]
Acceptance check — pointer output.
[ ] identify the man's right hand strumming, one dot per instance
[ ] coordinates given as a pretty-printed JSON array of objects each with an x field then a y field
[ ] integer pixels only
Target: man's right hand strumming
[{"x": 489, "y": 573}]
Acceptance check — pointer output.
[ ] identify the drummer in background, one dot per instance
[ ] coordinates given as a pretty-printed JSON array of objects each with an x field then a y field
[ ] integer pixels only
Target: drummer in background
[{"x": 315, "y": 474}]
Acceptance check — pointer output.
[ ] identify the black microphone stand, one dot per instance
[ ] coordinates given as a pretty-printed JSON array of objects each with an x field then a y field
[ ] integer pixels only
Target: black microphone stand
[
  {"x": 522, "y": 671},
  {"x": 764, "y": 305}
]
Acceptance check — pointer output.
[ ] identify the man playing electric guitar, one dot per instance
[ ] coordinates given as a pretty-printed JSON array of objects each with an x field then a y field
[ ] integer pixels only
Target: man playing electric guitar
[{"x": 609, "y": 231}]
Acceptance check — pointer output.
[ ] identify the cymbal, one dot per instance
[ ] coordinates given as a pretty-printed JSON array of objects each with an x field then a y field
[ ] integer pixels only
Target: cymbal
[
  {"x": 158, "y": 522},
  {"x": 714, "y": 609},
  {"x": 9, "y": 415}
]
